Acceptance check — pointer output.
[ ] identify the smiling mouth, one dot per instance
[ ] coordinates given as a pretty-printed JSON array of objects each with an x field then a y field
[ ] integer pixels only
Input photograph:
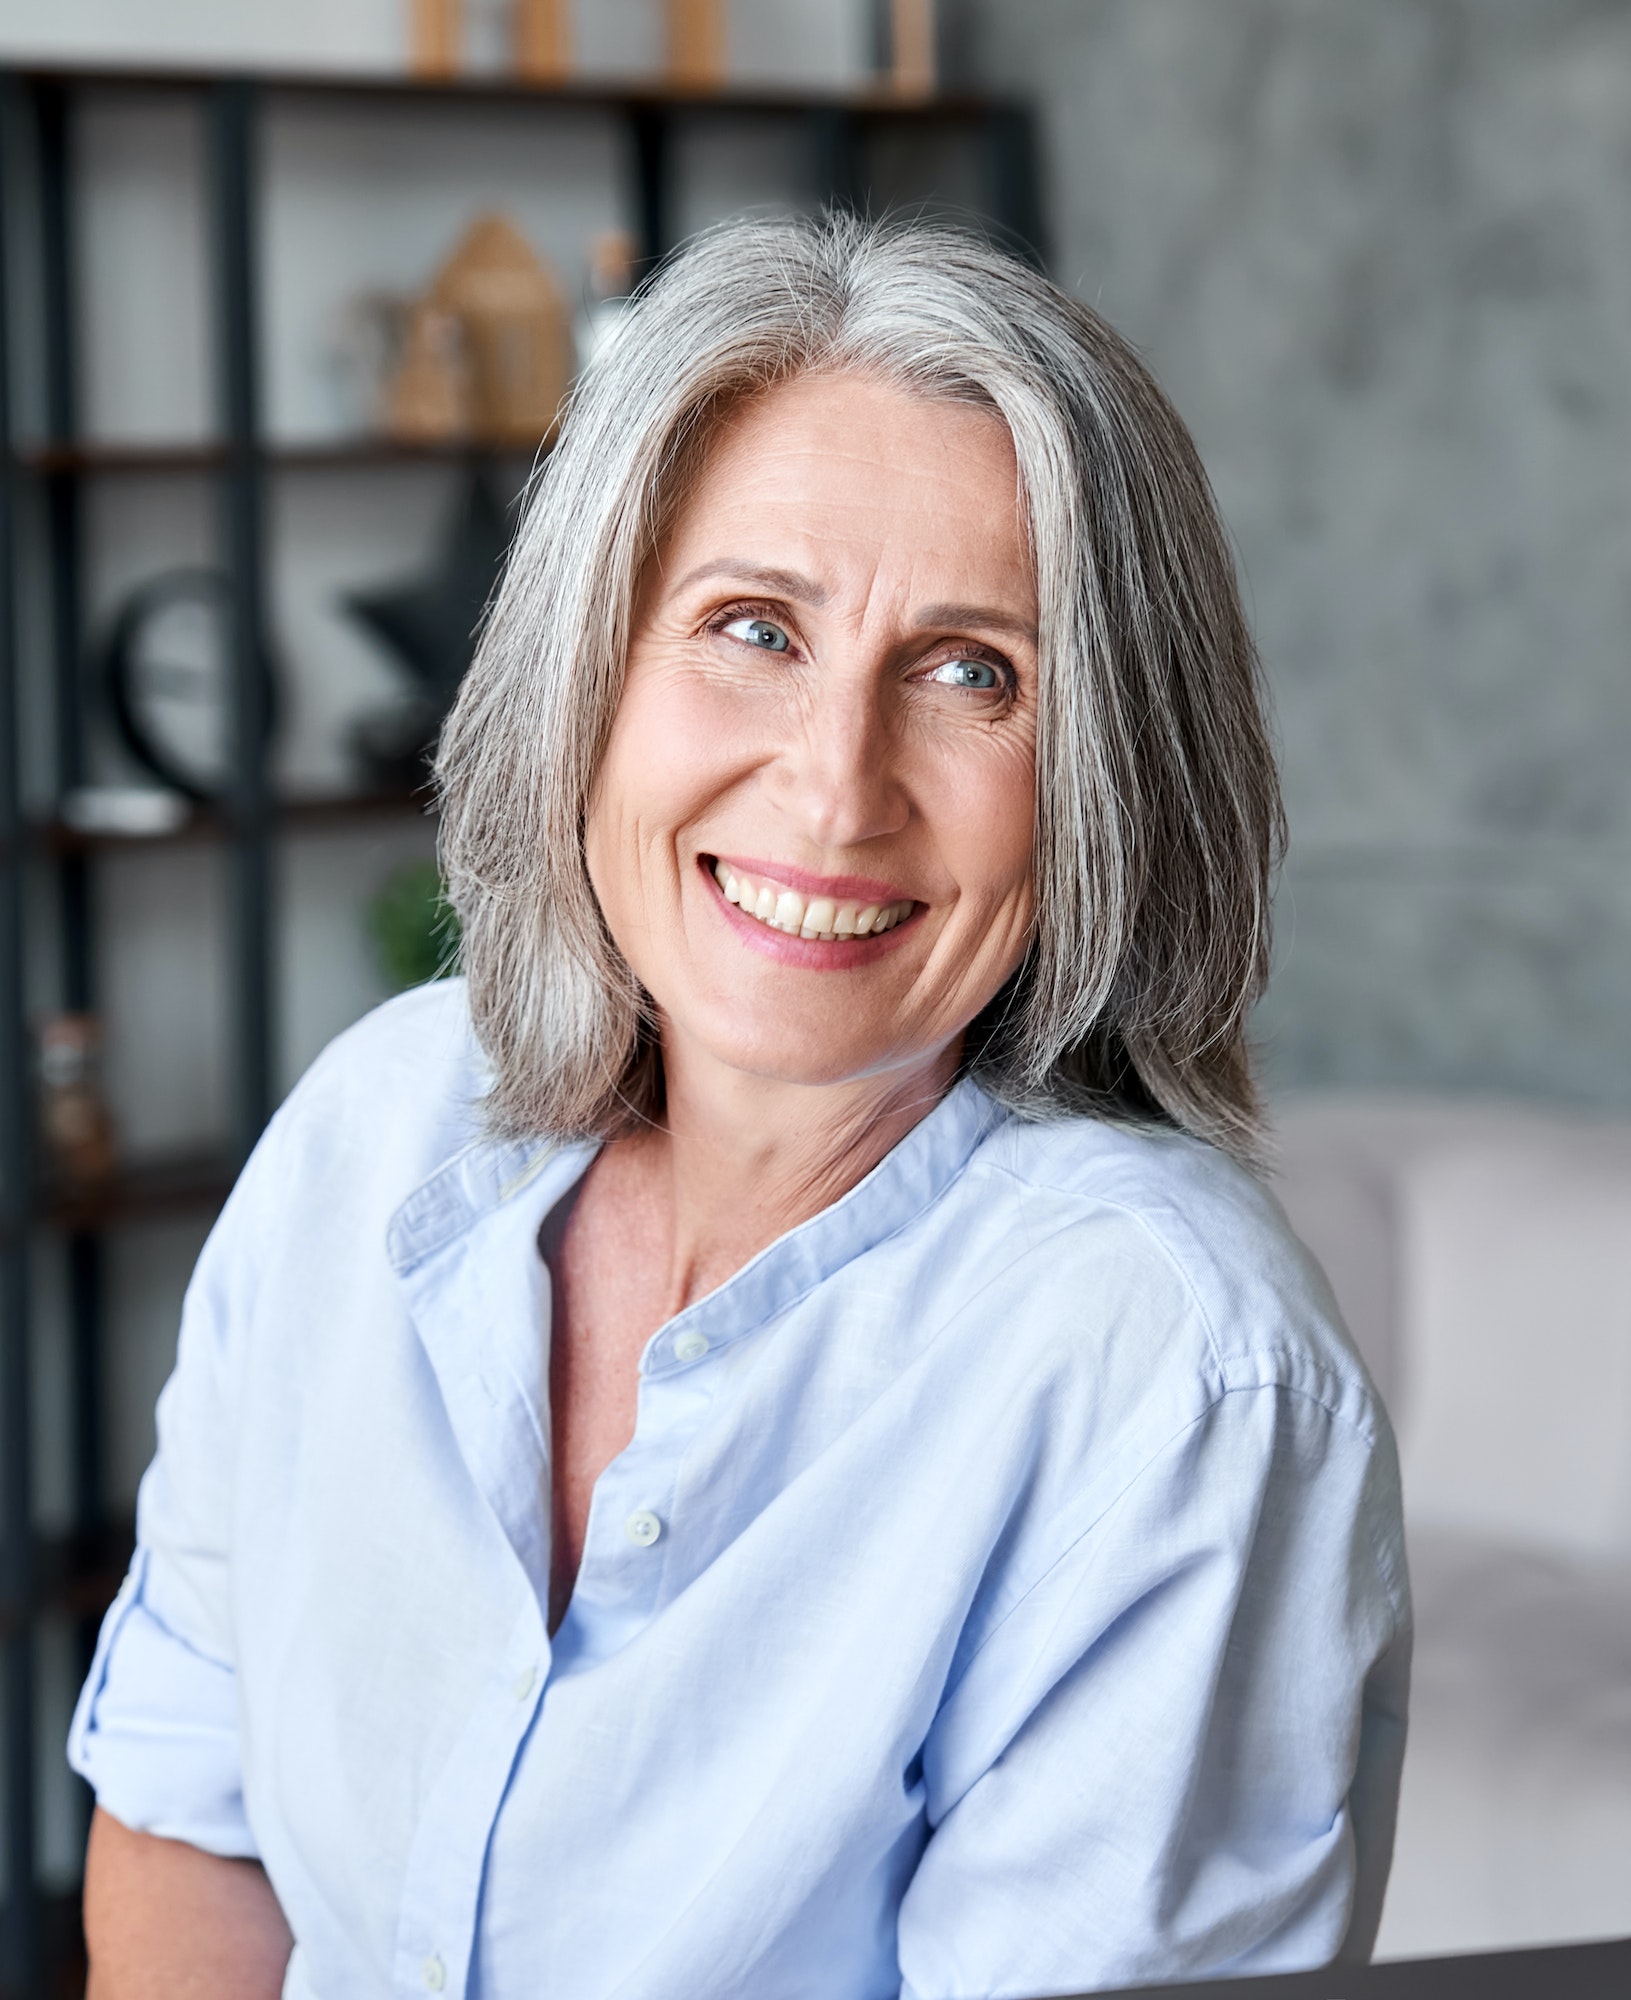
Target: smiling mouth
[{"x": 820, "y": 918}]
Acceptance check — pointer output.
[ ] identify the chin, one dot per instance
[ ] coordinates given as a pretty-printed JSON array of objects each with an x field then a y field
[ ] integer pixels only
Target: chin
[
  {"x": 789, "y": 1060},
  {"x": 790, "y": 1051}
]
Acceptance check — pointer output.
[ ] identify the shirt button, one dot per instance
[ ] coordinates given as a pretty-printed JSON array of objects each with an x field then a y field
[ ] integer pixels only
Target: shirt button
[
  {"x": 690, "y": 1347},
  {"x": 434, "y": 1974},
  {"x": 525, "y": 1681},
  {"x": 642, "y": 1528}
]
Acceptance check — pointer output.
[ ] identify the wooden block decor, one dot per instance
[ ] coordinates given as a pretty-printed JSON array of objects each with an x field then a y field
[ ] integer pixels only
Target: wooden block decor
[
  {"x": 696, "y": 44},
  {"x": 912, "y": 39},
  {"x": 435, "y": 33},
  {"x": 543, "y": 40}
]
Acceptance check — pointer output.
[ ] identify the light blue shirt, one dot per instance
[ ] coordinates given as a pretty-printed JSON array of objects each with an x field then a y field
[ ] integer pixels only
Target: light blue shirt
[{"x": 1003, "y": 1592}]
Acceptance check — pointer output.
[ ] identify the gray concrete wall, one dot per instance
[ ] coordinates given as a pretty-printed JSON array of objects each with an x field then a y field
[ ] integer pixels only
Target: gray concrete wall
[{"x": 1380, "y": 253}]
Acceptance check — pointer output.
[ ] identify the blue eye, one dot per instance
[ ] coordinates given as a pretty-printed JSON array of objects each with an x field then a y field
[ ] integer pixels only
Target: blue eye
[
  {"x": 979, "y": 675},
  {"x": 758, "y": 632}
]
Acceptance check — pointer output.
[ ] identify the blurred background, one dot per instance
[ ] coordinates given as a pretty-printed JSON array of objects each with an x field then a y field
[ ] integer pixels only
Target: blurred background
[{"x": 290, "y": 296}]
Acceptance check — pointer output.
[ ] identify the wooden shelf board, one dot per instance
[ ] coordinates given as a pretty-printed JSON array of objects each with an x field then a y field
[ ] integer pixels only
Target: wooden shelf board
[
  {"x": 321, "y": 812},
  {"x": 315, "y": 813},
  {"x": 591, "y": 93},
  {"x": 167, "y": 1184},
  {"x": 206, "y": 455}
]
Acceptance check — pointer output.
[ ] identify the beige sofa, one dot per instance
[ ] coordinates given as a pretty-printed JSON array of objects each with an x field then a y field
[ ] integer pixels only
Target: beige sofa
[{"x": 1482, "y": 1256}]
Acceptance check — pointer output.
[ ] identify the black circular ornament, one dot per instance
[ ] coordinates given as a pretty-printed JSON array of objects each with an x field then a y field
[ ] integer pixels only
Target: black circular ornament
[{"x": 167, "y": 667}]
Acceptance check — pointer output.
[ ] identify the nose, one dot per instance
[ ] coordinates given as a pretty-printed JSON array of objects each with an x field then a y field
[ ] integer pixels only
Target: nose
[{"x": 838, "y": 776}]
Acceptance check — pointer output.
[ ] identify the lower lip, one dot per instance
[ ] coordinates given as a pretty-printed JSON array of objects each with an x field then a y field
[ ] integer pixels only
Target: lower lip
[{"x": 842, "y": 955}]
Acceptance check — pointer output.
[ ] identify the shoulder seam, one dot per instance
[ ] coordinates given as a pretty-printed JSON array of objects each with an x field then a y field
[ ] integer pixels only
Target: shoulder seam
[{"x": 1141, "y": 1222}]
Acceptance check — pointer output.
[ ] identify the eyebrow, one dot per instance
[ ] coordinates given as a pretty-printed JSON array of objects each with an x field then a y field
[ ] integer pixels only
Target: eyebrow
[
  {"x": 804, "y": 589},
  {"x": 782, "y": 582},
  {"x": 970, "y": 615}
]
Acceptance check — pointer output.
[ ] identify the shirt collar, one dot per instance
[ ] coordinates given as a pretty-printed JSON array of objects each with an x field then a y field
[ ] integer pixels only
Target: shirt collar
[
  {"x": 905, "y": 1182},
  {"x": 488, "y": 1174},
  {"x": 464, "y": 1247},
  {"x": 481, "y": 1178}
]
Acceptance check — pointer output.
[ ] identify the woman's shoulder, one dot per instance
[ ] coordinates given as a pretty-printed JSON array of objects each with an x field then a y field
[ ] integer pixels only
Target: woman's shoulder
[
  {"x": 402, "y": 1088},
  {"x": 423, "y": 1035},
  {"x": 1158, "y": 1229}
]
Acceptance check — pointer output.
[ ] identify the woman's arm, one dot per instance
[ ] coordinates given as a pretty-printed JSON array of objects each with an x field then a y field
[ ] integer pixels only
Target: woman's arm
[
  {"x": 1178, "y": 1754},
  {"x": 164, "y": 1921}
]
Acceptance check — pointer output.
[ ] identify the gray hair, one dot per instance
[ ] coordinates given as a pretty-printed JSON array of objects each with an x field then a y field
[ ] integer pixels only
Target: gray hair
[{"x": 1158, "y": 813}]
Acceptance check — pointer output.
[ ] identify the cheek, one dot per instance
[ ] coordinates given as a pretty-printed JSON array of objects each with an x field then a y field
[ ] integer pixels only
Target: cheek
[
  {"x": 987, "y": 824},
  {"x": 672, "y": 751}
]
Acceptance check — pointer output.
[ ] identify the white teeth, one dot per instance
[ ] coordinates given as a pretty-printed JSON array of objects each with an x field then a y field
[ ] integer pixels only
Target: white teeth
[{"x": 820, "y": 917}]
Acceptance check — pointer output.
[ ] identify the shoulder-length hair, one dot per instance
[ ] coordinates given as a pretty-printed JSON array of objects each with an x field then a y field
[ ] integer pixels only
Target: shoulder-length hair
[{"x": 1158, "y": 816}]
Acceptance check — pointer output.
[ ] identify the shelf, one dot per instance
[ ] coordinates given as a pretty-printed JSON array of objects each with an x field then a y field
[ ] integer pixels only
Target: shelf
[
  {"x": 316, "y": 813},
  {"x": 593, "y": 93},
  {"x": 48, "y": 869},
  {"x": 208, "y": 455},
  {"x": 322, "y": 814},
  {"x": 144, "y": 1191}
]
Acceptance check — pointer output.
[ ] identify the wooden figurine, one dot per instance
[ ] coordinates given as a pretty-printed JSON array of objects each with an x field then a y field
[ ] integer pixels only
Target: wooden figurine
[
  {"x": 912, "y": 26},
  {"x": 543, "y": 40},
  {"x": 696, "y": 44},
  {"x": 76, "y": 1126},
  {"x": 435, "y": 36}
]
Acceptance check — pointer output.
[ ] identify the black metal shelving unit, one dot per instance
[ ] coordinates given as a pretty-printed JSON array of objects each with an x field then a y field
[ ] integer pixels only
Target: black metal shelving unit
[{"x": 45, "y": 466}]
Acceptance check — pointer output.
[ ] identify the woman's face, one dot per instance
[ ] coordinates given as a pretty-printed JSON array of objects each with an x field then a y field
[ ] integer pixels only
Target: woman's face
[{"x": 811, "y": 832}]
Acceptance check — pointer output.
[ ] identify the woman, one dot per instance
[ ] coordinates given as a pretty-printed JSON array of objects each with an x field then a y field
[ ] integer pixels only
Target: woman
[{"x": 768, "y": 1444}]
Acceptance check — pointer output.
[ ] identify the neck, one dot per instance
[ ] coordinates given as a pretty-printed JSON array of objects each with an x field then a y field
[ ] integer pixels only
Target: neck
[{"x": 738, "y": 1161}]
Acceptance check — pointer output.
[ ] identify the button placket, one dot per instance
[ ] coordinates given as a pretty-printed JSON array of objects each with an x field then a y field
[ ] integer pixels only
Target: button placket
[{"x": 441, "y": 1885}]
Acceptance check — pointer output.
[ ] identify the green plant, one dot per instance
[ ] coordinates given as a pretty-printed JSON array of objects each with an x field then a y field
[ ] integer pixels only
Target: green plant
[{"x": 413, "y": 927}]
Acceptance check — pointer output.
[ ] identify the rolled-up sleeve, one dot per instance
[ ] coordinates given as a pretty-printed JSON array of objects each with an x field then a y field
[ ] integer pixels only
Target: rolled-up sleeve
[
  {"x": 155, "y": 1731},
  {"x": 1179, "y": 1753},
  {"x": 155, "y": 1734}
]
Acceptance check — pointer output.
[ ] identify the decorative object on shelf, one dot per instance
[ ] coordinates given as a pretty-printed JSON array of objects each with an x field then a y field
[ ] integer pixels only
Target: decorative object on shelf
[
  {"x": 134, "y": 812},
  {"x": 543, "y": 40},
  {"x": 429, "y": 626},
  {"x": 429, "y": 396},
  {"x": 76, "y": 1126},
  {"x": 487, "y": 352},
  {"x": 611, "y": 280},
  {"x": 921, "y": 46},
  {"x": 413, "y": 927},
  {"x": 435, "y": 37},
  {"x": 166, "y": 666},
  {"x": 907, "y": 51},
  {"x": 696, "y": 44},
  {"x": 515, "y": 322},
  {"x": 363, "y": 352}
]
